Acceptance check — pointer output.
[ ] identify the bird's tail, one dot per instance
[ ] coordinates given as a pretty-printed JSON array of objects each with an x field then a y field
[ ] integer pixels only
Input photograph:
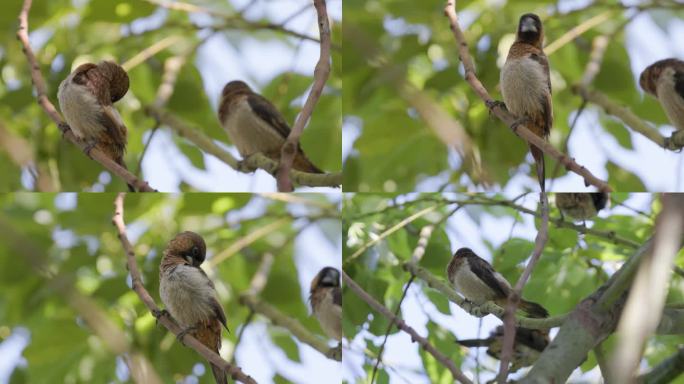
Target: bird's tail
[
  {"x": 219, "y": 375},
  {"x": 533, "y": 309},
  {"x": 474, "y": 342},
  {"x": 538, "y": 156}
]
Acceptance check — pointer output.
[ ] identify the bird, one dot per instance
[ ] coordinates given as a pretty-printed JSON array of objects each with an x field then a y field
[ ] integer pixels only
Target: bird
[
  {"x": 86, "y": 100},
  {"x": 664, "y": 80},
  {"x": 581, "y": 206},
  {"x": 254, "y": 125},
  {"x": 526, "y": 85},
  {"x": 325, "y": 296},
  {"x": 528, "y": 345},
  {"x": 189, "y": 295},
  {"x": 475, "y": 279}
]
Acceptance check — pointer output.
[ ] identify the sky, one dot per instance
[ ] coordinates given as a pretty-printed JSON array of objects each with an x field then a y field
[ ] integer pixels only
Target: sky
[{"x": 402, "y": 356}]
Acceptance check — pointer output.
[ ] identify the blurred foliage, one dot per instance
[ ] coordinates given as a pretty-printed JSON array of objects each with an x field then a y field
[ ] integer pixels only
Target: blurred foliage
[
  {"x": 53, "y": 242},
  {"x": 63, "y": 31},
  {"x": 391, "y": 43},
  {"x": 572, "y": 266}
]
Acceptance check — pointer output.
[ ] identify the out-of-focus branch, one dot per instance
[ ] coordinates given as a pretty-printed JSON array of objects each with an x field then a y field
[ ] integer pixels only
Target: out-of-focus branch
[
  {"x": 248, "y": 165},
  {"x": 41, "y": 94},
  {"x": 504, "y": 115},
  {"x": 166, "y": 320},
  {"x": 665, "y": 372},
  {"x": 320, "y": 76},
  {"x": 647, "y": 295},
  {"x": 292, "y": 325},
  {"x": 401, "y": 324}
]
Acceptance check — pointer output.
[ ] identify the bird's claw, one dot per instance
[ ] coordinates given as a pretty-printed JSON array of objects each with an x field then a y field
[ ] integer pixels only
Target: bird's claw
[
  {"x": 157, "y": 313},
  {"x": 473, "y": 309},
  {"x": 519, "y": 122},
  {"x": 491, "y": 104},
  {"x": 89, "y": 147},
  {"x": 335, "y": 353},
  {"x": 184, "y": 332}
]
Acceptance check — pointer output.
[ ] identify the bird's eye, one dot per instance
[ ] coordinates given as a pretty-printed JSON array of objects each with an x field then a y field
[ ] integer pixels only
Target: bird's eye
[{"x": 195, "y": 251}]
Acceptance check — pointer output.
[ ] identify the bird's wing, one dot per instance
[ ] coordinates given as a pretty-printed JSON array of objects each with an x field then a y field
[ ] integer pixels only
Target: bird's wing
[
  {"x": 268, "y": 113},
  {"x": 337, "y": 296},
  {"x": 488, "y": 275},
  {"x": 546, "y": 101},
  {"x": 679, "y": 80},
  {"x": 214, "y": 303}
]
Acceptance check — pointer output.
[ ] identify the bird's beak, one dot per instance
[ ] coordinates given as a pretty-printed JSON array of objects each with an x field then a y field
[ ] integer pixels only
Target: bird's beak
[
  {"x": 189, "y": 259},
  {"x": 528, "y": 25}
]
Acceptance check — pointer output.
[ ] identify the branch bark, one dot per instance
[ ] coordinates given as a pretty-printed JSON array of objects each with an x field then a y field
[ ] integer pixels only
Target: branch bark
[
  {"x": 321, "y": 73},
  {"x": 49, "y": 108},
  {"x": 167, "y": 321},
  {"x": 504, "y": 115},
  {"x": 401, "y": 324}
]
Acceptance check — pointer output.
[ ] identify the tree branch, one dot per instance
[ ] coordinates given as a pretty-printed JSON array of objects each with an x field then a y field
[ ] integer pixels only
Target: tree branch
[
  {"x": 401, "y": 324},
  {"x": 248, "y": 165},
  {"x": 41, "y": 95},
  {"x": 665, "y": 372},
  {"x": 503, "y": 115},
  {"x": 234, "y": 371},
  {"x": 321, "y": 73},
  {"x": 292, "y": 325}
]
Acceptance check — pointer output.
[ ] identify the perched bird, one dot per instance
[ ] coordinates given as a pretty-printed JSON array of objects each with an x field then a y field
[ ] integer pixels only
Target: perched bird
[
  {"x": 326, "y": 301},
  {"x": 255, "y": 125},
  {"x": 664, "y": 80},
  {"x": 528, "y": 345},
  {"x": 478, "y": 282},
  {"x": 189, "y": 295},
  {"x": 526, "y": 85},
  {"x": 581, "y": 206},
  {"x": 86, "y": 97}
]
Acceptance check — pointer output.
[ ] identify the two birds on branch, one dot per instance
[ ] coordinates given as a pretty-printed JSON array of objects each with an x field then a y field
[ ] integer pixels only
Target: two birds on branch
[{"x": 251, "y": 121}]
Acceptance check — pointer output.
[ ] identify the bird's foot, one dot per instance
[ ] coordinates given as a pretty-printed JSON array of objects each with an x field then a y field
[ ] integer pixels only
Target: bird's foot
[
  {"x": 245, "y": 165},
  {"x": 184, "y": 332},
  {"x": 519, "y": 122},
  {"x": 474, "y": 309},
  {"x": 63, "y": 127},
  {"x": 157, "y": 313},
  {"x": 491, "y": 104},
  {"x": 335, "y": 353},
  {"x": 89, "y": 147}
]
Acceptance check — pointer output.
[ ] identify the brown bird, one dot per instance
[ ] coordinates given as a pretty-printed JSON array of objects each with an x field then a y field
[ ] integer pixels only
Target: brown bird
[
  {"x": 86, "y": 97},
  {"x": 189, "y": 295},
  {"x": 255, "y": 125},
  {"x": 664, "y": 80},
  {"x": 526, "y": 85},
  {"x": 528, "y": 345},
  {"x": 475, "y": 279},
  {"x": 581, "y": 206},
  {"x": 326, "y": 301}
]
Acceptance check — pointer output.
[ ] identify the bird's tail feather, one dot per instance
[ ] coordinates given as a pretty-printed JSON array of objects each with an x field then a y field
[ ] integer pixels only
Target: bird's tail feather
[
  {"x": 538, "y": 156},
  {"x": 474, "y": 342},
  {"x": 533, "y": 309},
  {"x": 219, "y": 375}
]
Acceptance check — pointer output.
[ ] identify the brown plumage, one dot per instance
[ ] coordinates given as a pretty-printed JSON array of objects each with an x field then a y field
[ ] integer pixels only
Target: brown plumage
[
  {"x": 581, "y": 206},
  {"x": 526, "y": 85},
  {"x": 189, "y": 295},
  {"x": 326, "y": 301},
  {"x": 528, "y": 345},
  {"x": 86, "y": 99},
  {"x": 255, "y": 125},
  {"x": 664, "y": 80},
  {"x": 475, "y": 279}
]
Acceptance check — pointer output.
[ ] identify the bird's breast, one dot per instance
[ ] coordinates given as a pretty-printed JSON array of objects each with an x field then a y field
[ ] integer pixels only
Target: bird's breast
[
  {"x": 81, "y": 110},
  {"x": 248, "y": 132},
  {"x": 328, "y": 313},
  {"x": 471, "y": 286},
  {"x": 523, "y": 85},
  {"x": 186, "y": 293}
]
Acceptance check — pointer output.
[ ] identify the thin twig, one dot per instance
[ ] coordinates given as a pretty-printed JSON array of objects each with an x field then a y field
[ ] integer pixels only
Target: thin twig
[
  {"x": 514, "y": 297},
  {"x": 321, "y": 73},
  {"x": 401, "y": 324},
  {"x": 509, "y": 119},
  {"x": 41, "y": 95},
  {"x": 167, "y": 321}
]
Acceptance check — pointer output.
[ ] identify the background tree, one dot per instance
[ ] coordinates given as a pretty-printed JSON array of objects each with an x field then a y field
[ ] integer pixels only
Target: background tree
[
  {"x": 414, "y": 123},
  {"x": 178, "y": 57},
  {"x": 397, "y": 247},
  {"x": 69, "y": 314}
]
